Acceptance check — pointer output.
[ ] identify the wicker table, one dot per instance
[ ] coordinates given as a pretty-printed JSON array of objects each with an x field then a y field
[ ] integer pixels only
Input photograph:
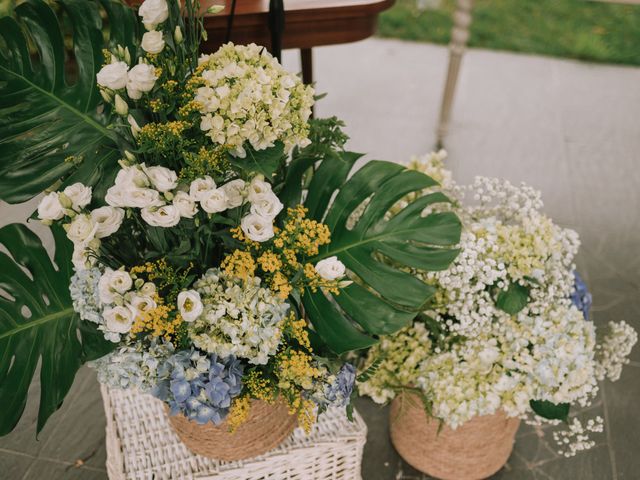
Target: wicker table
[{"x": 141, "y": 445}]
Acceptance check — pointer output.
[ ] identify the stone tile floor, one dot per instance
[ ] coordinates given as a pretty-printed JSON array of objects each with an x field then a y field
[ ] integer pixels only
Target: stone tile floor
[{"x": 570, "y": 129}]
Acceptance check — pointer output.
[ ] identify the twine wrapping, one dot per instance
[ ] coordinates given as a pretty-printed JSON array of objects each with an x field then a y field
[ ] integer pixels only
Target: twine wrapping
[
  {"x": 475, "y": 450},
  {"x": 266, "y": 427}
]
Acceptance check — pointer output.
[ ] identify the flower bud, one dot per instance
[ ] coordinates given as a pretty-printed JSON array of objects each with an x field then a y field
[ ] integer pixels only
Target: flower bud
[
  {"x": 177, "y": 35},
  {"x": 127, "y": 56},
  {"x": 213, "y": 9},
  {"x": 64, "y": 200},
  {"x": 130, "y": 156},
  {"x": 106, "y": 95},
  {"x": 121, "y": 106}
]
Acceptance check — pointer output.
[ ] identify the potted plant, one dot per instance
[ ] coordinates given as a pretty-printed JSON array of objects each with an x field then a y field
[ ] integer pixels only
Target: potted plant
[
  {"x": 507, "y": 337},
  {"x": 204, "y": 249}
]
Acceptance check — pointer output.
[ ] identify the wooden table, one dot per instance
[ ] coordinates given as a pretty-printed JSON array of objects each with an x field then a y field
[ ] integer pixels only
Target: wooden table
[{"x": 308, "y": 24}]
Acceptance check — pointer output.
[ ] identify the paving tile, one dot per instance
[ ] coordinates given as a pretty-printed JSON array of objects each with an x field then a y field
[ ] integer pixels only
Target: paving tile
[{"x": 44, "y": 469}]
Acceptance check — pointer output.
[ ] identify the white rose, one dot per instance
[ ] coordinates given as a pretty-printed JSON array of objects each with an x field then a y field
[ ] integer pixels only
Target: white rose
[
  {"x": 148, "y": 289},
  {"x": 268, "y": 205},
  {"x": 201, "y": 186},
  {"x": 258, "y": 188},
  {"x": 81, "y": 229},
  {"x": 113, "y": 75},
  {"x": 330, "y": 268},
  {"x": 79, "y": 195},
  {"x": 214, "y": 201},
  {"x": 257, "y": 228},
  {"x": 190, "y": 305},
  {"x": 140, "y": 198},
  {"x": 153, "y": 12},
  {"x": 50, "y": 207},
  {"x": 141, "y": 78},
  {"x": 113, "y": 283},
  {"x": 165, "y": 216},
  {"x": 142, "y": 303},
  {"x": 108, "y": 220},
  {"x": 185, "y": 204},
  {"x": 163, "y": 179},
  {"x": 118, "y": 319},
  {"x": 152, "y": 42},
  {"x": 115, "y": 196},
  {"x": 234, "y": 190}
]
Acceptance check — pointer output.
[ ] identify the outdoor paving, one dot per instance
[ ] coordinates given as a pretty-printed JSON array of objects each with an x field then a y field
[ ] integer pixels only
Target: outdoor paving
[{"x": 570, "y": 129}]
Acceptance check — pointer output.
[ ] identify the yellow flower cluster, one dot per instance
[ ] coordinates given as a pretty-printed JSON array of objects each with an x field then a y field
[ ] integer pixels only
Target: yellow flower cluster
[
  {"x": 300, "y": 234},
  {"x": 315, "y": 281},
  {"x": 207, "y": 161},
  {"x": 158, "y": 132},
  {"x": 239, "y": 412},
  {"x": 258, "y": 386},
  {"x": 159, "y": 322},
  {"x": 296, "y": 329},
  {"x": 296, "y": 368},
  {"x": 239, "y": 264},
  {"x": 163, "y": 275},
  {"x": 189, "y": 108},
  {"x": 306, "y": 411},
  {"x": 269, "y": 262}
]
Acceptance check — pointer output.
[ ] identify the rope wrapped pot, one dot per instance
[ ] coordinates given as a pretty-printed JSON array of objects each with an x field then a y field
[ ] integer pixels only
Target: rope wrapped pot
[
  {"x": 475, "y": 450},
  {"x": 267, "y": 426}
]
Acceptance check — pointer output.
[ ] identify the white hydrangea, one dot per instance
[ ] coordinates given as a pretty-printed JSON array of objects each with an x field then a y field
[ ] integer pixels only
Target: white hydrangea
[
  {"x": 613, "y": 352},
  {"x": 248, "y": 96},
  {"x": 239, "y": 318}
]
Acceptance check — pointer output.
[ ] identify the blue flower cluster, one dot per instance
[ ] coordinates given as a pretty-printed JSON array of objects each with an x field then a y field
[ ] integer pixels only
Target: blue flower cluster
[
  {"x": 339, "y": 391},
  {"x": 84, "y": 293},
  {"x": 198, "y": 386},
  {"x": 581, "y": 297}
]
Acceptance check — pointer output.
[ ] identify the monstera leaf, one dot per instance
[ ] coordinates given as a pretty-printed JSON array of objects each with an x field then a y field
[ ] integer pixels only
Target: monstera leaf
[
  {"x": 384, "y": 297},
  {"x": 50, "y": 127},
  {"x": 38, "y": 325}
]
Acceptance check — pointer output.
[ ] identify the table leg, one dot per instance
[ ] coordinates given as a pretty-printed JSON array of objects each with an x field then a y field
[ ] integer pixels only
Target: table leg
[
  {"x": 459, "y": 38},
  {"x": 306, "y": 59}
]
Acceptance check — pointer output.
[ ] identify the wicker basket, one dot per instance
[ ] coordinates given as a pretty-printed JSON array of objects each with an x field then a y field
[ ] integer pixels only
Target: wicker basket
[
  {"x": 266, "y": 428},
  {"x": 473, "y": 451}
]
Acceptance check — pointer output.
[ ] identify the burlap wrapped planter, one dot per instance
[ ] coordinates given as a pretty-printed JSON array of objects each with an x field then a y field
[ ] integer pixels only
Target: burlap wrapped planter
[
  {"x": 267, "y": 426},
  {"x": 473, "y": 451}
]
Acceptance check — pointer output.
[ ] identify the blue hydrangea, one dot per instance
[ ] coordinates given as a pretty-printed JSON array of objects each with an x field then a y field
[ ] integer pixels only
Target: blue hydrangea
[
  {"x": 198, "y": 386},
  {"x": 84, "y": 293},
  {"x": 339, "y": 391},
  {"x": 581, "y": 297}
]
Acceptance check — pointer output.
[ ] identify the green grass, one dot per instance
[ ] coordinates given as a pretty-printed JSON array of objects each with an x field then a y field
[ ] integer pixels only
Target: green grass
[{"x": 581, "y": 29}]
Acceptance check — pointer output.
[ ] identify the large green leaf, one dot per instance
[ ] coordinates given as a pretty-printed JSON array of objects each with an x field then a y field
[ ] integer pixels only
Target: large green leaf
[
  {"x": 38, "y": 325},
  {"x": 385, "y": 296},
  {"x": 50, "y": 126}
]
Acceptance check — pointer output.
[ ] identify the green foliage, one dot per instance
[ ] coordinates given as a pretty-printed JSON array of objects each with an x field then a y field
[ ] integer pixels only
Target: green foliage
[
  {"x": 551, "y": 411},
  {"x": 383, "y": 298},
  {"x": 513, "y": 299},
  {"x": 38, "y": 325},
  {"x": 593, "y": 31},
  {"x": 50, "y": 127}
]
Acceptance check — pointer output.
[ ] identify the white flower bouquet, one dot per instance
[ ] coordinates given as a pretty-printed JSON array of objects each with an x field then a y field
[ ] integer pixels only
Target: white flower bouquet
[
  {"x": 207, "y": 219},
  {"x": 509, "y": 328}
]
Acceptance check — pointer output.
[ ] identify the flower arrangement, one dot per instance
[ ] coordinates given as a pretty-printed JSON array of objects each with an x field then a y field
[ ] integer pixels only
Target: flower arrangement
[
  {"x": 201, "y": 223},
  {"x": 509, "y": 328}
]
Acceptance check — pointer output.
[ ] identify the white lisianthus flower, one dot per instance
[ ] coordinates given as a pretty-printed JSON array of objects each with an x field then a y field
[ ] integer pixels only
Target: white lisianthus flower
[
  {"x": 142, "y": 303},
  {"x": 108, "y": 220},
  {"x": 234, "y": 190},
  {"x": 50, "y": 207},
  {"x": 132, "y": 177},
  {"x": 200, "y": 187},
  {"x": 81, "y": 229},
  {"x": 118, "y": 319},
  {"x": 214, "y": 201},
  {"x": 112, "y": 284},
  {"x": 141, "y": 198},
  {"x": 190, "y": 305},
  {"x": 268, "y": 206},
  {"x": 153, "y": 12},
  {"x": 152, "y": 42},
  {"x": 141, "y": 79},
  {"x": 79, "y": 195},
  {"x": 185, "y": 204},
  {"x": 330, "y": 268},
  {"x": 113, "y": 75},
  {"x": 82, "y": 257},
  {"x": 257, "y": 228},
  {"x": 148, "y": 289},
  {"x": 258, "y": 188},
  {"x": 162, "y": 179},
  {"x": 165, "y": 216}
]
